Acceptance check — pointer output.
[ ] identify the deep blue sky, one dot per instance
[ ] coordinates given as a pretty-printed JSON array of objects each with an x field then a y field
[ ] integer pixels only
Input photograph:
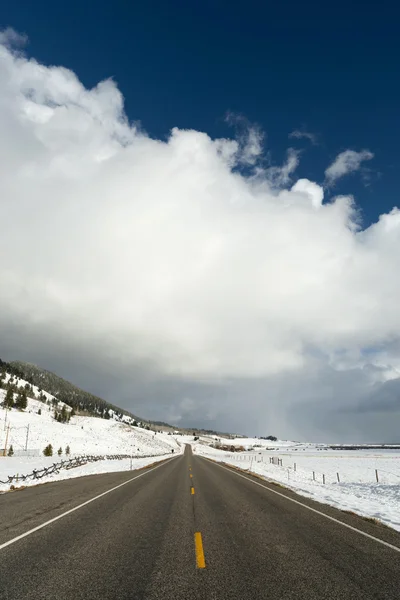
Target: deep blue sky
[{"x": 333, "y": 68}]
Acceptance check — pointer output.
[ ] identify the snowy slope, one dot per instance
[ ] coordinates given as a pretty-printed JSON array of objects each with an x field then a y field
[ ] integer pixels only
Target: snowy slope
[
  {"x": 83, "y": 434},
  {"x": 22, "y": 383}
]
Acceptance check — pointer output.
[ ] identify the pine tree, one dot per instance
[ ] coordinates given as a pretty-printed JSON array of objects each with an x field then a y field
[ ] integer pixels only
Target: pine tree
[
  {"x": 10, "y": 450},
  {"x": 22, "y": 400},
  {"x": 39, "y": 412},
  {"x": 48, "y": 451},
  {"x": 67, "y": 451},
  {"x": 59, "y": 451},
  {"x": 9, "y": 399}
]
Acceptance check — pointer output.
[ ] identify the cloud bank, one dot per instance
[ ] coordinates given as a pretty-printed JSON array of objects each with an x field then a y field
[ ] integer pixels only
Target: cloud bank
[{"x": 164, "y": 275}]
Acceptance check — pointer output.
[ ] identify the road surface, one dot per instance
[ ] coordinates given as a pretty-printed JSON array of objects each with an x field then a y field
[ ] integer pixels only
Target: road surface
[{"x": 188, "y": 529}]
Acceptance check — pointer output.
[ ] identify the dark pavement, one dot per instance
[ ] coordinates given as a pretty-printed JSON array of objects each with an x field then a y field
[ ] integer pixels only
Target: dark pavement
[{"x": 138, "y": 541}]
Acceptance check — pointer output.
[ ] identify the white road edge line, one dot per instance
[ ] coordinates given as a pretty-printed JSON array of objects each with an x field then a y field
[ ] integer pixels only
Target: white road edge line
[
  {"x": 68, "y": 512},
  {"x": 314, "y": 510}
]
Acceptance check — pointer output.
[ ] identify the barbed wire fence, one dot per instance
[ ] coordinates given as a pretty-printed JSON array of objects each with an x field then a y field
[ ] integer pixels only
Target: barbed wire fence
[{"x": 295, "y": 471}]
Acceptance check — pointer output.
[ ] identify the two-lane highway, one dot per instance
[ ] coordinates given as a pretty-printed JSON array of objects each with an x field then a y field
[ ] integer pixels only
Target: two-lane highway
[{"x": 188, "y": 529}]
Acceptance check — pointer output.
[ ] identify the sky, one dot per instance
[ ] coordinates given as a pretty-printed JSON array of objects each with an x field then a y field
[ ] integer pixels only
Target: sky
[{"x": 198, "y": 210}]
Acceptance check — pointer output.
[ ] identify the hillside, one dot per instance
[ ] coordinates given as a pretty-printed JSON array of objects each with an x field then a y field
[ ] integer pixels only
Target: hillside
[
  {"x": 84, "y": 402},
  {"x": 78, "y": 399}
]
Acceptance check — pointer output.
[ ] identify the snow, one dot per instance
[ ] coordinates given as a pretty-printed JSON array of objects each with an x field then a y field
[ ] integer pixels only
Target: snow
[
  {"x": 357, "y": 491},
  {"x": 84, "y": 435},
  {"x": 250, "y": 443}
]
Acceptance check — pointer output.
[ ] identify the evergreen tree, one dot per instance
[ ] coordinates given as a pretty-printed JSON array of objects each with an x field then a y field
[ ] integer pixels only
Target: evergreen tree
[
  {"x": 59, "y": 451},
  {"x": 10, "y": 450},
  {"x": 9, "y": 399},
  {"x": 48, "y": 451},
  {"x": 67, "y": 451},
  {"x": 39, "y": 412},
  {"x": 22, "y": 400}
]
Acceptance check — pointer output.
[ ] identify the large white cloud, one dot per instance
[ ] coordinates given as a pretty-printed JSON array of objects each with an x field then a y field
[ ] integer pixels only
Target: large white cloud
[{"x": 165, "y": 253}]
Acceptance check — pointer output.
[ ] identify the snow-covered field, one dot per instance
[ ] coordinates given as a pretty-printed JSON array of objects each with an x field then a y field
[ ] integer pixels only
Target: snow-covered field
[{"x": 357, "y": 489}]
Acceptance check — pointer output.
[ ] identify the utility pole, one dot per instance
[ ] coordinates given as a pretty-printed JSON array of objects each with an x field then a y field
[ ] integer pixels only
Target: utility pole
[
  {"x": 5, "y": 446},
  {"x": 27, "y": 436}
]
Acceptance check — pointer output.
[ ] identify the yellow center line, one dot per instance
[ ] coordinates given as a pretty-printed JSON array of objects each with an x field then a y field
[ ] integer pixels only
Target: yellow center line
[
  {"x": 191, "y": 476},
  {"x": 192, "y": 490},
  {"x": 198, "y": 543}
]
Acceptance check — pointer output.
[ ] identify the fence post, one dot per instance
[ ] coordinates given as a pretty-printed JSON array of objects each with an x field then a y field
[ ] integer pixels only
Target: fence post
[
  {"x": 376, "y": 475},
  {"x": 323, "y": 479},
  {"x": 313, "y": 475},
  {"x": 294, "y": 467},
  {"x": 338, "y": 478}
]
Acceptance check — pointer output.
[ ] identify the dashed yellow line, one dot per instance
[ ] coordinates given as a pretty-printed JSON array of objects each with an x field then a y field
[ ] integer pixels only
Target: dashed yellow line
[
  {"x": 191, "y": 476},
  {"x": 192, "y": 490},
  {"x": 198, "y": 543}
]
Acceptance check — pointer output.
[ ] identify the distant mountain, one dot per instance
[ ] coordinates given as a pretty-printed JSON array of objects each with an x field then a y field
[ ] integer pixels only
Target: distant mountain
[{"x": 80, "y": 400}]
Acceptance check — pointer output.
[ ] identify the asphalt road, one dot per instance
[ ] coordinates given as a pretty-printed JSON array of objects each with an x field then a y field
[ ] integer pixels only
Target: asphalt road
[{"x": 166, "y": 535}]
